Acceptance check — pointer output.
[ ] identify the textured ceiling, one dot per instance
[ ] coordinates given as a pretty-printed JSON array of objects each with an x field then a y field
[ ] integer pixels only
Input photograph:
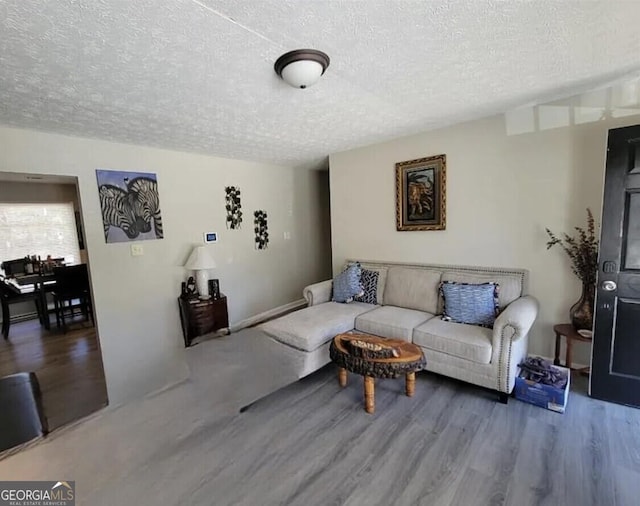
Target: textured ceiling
[{"x": 197, "y": 75}]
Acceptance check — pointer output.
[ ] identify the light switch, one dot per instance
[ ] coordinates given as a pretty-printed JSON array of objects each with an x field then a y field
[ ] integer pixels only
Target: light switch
[{"x": 137, "y": 250}]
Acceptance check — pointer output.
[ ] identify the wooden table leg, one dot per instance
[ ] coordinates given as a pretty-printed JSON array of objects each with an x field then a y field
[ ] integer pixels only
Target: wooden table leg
[
  {"x": 369, "y": 395},
  {"x": 556, "y": 359},
  {"x": 567, "y": 357},
  {"x": 45, "y": 309},
  {"x": 6, "y": 318},
  {"x": 342, "y": 376},
  {"x": 410, "y": 384}
]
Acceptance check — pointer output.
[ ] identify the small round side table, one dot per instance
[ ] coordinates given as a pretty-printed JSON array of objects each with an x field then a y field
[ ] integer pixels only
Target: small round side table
[{"x": 570, "y": 334}]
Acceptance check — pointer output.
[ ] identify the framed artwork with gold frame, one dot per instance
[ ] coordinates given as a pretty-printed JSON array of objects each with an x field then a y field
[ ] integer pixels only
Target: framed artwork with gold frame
[{"x": 421, "y": 194}]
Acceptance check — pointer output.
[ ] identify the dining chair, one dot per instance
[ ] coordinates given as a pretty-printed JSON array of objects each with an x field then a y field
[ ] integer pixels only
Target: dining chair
[
  {"x": 71, "y": 292},
  {"x": 13, "y": 267},
  {"x": 9, "y": 297}
]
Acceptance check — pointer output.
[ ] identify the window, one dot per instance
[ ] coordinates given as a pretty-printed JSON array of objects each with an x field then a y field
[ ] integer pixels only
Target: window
[{"x": 39, "y": 229}]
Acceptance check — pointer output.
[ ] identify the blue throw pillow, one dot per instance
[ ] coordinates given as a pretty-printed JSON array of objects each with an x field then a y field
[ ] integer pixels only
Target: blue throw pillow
[
  {"x": 346, "y": 285},
  {"x": 469, "y": 303}
]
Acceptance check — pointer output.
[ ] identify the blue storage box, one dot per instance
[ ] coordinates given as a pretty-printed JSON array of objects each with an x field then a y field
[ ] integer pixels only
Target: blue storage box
[{"x": 543, "y": 395}]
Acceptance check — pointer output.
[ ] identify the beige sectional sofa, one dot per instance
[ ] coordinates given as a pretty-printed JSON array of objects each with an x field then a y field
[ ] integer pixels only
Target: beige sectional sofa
[{"x": 408, "y": 307}]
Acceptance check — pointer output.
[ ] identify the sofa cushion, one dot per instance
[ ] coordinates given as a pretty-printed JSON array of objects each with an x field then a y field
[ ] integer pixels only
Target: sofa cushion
[
  {"x": 412, "y": 289},
  {"x": 369, "y": 281},
  {"x": 510, "y": 286},
  {"x": 346, "y": 285},
  {"x": 391, "y": 321},
  {"x": 458, "y": 339},
  {"x": 311, "y": 327},
  {"x": 473, "y": 304}
]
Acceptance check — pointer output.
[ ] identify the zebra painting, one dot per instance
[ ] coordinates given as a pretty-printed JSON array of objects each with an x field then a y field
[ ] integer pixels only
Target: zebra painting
[
  {"x": 143, "y": 195},
  {"x": 116, "y": 211},
  {"x": 130, "y": 205}
]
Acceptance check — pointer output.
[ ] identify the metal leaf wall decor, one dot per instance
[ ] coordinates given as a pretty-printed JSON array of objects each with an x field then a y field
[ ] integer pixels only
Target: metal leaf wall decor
[
  {"x": 233, "y": 206},
  {"x": 261, "y": 229}
]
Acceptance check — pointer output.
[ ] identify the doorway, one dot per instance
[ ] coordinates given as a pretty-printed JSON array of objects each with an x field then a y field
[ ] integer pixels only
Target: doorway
[{"x": 41, "y": 218}]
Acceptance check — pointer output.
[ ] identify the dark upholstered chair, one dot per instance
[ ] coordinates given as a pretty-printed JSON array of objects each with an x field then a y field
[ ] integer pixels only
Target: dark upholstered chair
[
  {"x": 8, "y": 297},
  {"x": 71, "y": 292},
  {"x": 23, "y": 417}
]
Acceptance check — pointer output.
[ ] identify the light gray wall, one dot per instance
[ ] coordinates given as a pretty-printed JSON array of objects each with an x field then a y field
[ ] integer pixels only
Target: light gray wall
[
  {"x": 502, "y": 192},
  {"x": 16, "y": 192},
  {"x": 135, "y": 297}
]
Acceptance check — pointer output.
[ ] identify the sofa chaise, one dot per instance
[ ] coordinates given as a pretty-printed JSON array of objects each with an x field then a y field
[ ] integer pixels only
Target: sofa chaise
[{"x": 407, "y": 306}]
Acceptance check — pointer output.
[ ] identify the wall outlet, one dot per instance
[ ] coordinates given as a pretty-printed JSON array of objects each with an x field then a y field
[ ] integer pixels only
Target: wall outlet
[{"x": 137, "y": 250}]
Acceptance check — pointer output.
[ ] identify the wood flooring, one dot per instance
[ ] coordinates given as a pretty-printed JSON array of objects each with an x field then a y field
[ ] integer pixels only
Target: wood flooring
[
  {"x": 311, "y": 443},
  {"x": 452, "y": 444},
  {"x": 68, "y": 367}
]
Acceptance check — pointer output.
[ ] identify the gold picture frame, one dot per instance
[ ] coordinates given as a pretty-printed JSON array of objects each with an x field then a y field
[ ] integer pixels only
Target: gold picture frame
[{"x": 421, "y": 194}]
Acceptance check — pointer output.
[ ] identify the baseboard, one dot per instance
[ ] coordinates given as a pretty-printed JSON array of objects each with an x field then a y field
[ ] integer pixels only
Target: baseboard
[
  {"x": 267, "y": 315},
  {"x": 23, "y": 317}
]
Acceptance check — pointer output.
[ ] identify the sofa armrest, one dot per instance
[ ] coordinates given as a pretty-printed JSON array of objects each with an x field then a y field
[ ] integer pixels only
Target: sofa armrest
[
  {"x": 510, "y": 339},
  {"x": 318, "y": 292},
  {"x": 517, "y": 318}
]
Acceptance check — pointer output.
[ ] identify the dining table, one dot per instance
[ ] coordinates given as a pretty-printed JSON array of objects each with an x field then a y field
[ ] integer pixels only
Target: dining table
[{"x": 40, "y": 283}]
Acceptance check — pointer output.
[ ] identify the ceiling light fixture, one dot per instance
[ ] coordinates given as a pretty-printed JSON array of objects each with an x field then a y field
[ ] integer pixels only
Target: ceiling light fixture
[{"x": 301, "y": 68}]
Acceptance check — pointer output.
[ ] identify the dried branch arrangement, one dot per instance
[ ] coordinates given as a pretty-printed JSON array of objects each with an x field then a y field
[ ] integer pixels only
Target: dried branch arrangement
[{"x": 581, "y": 249}]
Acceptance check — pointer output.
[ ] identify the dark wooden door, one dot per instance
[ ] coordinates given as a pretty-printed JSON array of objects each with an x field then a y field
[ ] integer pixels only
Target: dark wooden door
[{"x": 615, "y": 373}]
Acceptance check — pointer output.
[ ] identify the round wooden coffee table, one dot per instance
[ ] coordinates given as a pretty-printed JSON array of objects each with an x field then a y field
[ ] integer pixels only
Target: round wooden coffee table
[{"x": 375, "y": 357}]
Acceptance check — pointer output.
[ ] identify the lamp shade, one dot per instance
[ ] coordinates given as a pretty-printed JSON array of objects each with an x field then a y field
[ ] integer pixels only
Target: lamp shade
[{"x": 200, "y": 259}]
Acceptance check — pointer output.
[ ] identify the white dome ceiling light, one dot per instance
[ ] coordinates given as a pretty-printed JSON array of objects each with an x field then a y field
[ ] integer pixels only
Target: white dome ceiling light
[{"x": 301, "y": 68}]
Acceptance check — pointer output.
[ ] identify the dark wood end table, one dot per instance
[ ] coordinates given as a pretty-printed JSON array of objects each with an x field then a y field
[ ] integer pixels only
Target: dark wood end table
[
  {"x": 202, "y": 316},
  {"x": 570, "y": 334},
  {"x": 375, "y": 357}
]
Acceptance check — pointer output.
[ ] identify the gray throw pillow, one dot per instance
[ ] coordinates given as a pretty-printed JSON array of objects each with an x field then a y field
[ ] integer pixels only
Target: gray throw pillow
[{"x": 346, "y": 285}]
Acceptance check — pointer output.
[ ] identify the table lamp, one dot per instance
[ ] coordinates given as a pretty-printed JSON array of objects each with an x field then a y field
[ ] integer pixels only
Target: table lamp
[{"x": 200, "y": 261}]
